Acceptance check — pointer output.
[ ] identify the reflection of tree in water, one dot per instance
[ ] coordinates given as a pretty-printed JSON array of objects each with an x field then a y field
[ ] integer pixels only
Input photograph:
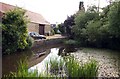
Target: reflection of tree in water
[
  {"x": 60, "y": 52},
  {"x": 64, "y": 51}
]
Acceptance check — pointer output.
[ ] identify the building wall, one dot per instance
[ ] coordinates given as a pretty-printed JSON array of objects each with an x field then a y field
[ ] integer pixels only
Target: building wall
[
  {"x": 33, "y": 27},
  {"x": 47, "y": 29}
]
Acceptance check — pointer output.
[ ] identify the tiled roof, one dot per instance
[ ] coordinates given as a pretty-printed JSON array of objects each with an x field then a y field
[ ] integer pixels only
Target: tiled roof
[{"x": 34, "y": 17}]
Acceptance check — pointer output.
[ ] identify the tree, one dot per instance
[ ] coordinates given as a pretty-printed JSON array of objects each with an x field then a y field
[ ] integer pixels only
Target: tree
[
  {"x": 114, "y": 19},
  {"x": 82, "y": 19},
  {"x": 14, "y": 31},
  {"x": 68, "y": 23},
  {"x": 61, "y": 28}
]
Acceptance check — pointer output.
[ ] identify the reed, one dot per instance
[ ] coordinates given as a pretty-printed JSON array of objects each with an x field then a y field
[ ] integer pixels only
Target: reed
[{"x": 77, "y": 69}]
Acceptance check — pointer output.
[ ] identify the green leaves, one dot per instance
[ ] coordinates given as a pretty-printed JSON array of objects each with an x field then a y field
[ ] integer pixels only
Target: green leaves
[
  {"x": 114, "y": 19},
  {"x": 99, "y": 29},
  {"x": 78, "y": 69},
  {"x": 14, "y": 30}
]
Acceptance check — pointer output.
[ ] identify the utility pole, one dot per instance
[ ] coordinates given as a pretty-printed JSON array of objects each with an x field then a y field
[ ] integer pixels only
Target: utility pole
[{"x": 98, "y": 5}]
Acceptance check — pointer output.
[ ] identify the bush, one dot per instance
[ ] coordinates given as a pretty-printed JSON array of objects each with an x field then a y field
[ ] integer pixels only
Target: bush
[
  {"x": 52, "y": 32},
  {"x": 70, "y": 42},
  {"x": 30, "y": 42},
  {"x": 14, "y": 31},
  {"x": 61, "y": 28}
]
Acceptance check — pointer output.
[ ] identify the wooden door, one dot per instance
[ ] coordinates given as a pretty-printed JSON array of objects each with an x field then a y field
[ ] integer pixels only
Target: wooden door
[{"x": 41, "y": 29}]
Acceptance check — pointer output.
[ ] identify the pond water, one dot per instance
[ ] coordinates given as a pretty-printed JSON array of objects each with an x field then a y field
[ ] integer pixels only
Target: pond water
[
  {"x": 41, "y": 67},
  {"x": 109, "y": 61}
]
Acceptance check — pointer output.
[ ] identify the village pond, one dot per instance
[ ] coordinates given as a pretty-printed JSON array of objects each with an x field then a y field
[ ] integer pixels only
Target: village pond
[{"x": 108, "y": 60}]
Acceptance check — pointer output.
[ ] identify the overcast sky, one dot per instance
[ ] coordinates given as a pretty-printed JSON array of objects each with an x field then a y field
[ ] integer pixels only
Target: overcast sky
[{"x": 53, "y": 10}]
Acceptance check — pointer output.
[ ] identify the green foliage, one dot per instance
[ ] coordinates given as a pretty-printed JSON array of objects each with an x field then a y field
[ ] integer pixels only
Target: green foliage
[
  {"x": 70, "y": 42},
  {"x": 98, "y": 29},
  {"x": 82, "y": 20},
  {"x": 53, "y": 32},
  {"x": 92, "y": 9},
  {"x": 114, "y": 19},
  {"x": 92, "y": 31},
  {"x": 14, "y": 31},
  {"x": 78, "y": 69},
  {"x": 30, "y": 42},
  {"x": 61, "y": 28},
  {"x": 72, "y": 66},
  {"x": 56, "y": 30},
  {"x": 89, "y": 69},
  {"x": 68, "y": 24},
  {"x": 55, "y": 65}
]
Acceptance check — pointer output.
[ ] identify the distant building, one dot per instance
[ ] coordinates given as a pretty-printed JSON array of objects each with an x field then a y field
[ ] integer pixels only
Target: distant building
[{"x": 37, "y": 22}]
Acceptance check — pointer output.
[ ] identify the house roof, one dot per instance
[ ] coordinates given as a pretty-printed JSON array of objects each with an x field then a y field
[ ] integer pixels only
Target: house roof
[{"x": 34, "y": 17}]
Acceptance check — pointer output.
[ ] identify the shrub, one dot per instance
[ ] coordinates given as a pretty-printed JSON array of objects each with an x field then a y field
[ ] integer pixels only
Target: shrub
[
  {"x": 30, "y": 42},
  {"x": 14, "y": 31},
  {"x": 70, "y": 42},
  {"x": 52, "y": 32}
]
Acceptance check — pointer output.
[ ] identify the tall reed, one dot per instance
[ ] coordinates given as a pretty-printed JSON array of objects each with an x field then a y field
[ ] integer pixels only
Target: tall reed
[{"x": 77, "y": 69}]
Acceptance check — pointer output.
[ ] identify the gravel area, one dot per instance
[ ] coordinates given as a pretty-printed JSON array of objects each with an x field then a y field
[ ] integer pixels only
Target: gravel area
[{"x": 108, "y": 61}]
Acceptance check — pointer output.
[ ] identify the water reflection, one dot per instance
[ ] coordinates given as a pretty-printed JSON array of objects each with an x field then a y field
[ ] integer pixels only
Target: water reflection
[{"x": 41, "y": 67}]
